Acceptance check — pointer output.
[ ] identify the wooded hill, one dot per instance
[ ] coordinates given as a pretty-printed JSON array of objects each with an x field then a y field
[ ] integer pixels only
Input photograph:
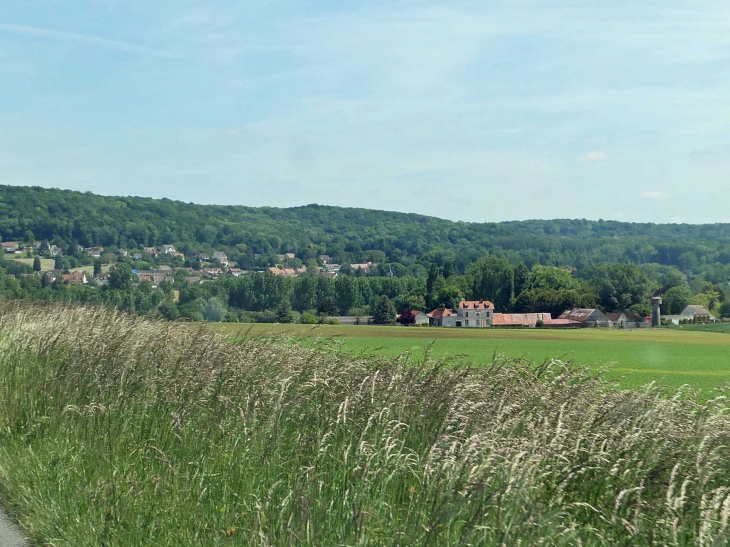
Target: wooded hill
[{"x": 67, "y": 217}]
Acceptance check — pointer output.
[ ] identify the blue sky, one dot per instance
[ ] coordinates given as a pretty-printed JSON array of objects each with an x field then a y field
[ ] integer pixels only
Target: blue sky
[{"x": 477, "y": 111}]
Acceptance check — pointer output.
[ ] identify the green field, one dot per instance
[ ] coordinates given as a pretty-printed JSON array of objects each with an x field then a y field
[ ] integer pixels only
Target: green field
[
  {"x": 667, "y": 357},
  {"x": 46, "y": 263},
  {"x": 49, "y": 264}
]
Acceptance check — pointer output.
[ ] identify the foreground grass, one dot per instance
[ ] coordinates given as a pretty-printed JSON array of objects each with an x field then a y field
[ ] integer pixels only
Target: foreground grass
[
  {"x": 669, "y": 357},
  {"x": 119, "y": 431}
]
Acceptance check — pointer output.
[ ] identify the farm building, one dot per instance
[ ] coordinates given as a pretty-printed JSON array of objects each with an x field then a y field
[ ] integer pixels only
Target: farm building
[
  {"x": 413, "y": 317},
  {"x": 530, "y": 320},
  {"x": 627, "y": 320},
  {"x": 698, "y": 314},
  {"x": 437, "y": 315},
  {"x": 587, "y": 317},
  {"x": 10, "y": 246}
]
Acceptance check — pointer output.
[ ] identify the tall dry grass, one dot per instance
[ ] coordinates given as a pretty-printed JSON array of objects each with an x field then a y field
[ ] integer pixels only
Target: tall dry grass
[{"x": 116, "y": 430}]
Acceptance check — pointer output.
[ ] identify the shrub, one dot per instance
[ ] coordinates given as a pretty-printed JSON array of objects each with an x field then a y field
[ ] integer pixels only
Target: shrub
[
  {"x": 308, "y": 318},
  {"x": 267, "y": 316}
]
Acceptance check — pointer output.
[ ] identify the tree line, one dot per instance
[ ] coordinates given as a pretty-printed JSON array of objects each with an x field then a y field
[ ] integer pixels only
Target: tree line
[
  {"x": 263, "y": 297},
  {"x": 402, "y": 244}
]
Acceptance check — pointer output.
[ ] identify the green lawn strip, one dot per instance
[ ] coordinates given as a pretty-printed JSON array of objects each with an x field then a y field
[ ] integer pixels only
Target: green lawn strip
[
  {"x": 668, "y": 357},
  {"x": 46, "y": 263},
  {"x": 668, "y": 364},
  {"x": 641, "y": 336}
]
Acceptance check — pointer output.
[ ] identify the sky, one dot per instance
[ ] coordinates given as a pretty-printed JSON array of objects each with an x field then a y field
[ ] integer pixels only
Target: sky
[{"x": 478, "y": 111}]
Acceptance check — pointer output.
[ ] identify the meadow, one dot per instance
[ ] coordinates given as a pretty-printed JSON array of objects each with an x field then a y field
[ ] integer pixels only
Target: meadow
[
  {"x": 669, "y": 357},
  {"x": 118, "y": 430},
  {"x": 49, "y": 264}
]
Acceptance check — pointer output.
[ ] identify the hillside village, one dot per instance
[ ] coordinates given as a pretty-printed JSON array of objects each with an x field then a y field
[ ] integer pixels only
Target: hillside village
[
  {"x": 166, "y": 266},
  {"x": 208, "y": 266}
]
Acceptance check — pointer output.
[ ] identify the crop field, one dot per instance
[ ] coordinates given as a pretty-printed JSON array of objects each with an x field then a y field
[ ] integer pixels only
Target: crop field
[{"x": 668, "y": 357}]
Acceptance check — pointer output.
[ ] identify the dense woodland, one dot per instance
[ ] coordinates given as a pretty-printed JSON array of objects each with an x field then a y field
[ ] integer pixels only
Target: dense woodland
[{"x": 422, "y": 262}]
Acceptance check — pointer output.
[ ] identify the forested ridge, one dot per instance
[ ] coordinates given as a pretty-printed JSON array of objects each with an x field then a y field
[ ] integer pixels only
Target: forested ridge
[
  {"x": 418, "y": 262},
  {"x": 348, "y": 234}
]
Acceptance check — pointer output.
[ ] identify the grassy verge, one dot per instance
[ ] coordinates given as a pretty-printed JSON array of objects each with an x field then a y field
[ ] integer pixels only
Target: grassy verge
[{"x": 119, "y": 431}]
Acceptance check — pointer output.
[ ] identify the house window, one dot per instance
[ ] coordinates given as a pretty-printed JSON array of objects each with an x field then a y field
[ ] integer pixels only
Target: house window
[{"x": 467, "y": 322}]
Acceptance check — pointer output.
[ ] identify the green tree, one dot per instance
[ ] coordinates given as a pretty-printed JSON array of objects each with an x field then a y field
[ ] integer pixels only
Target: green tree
[
  {"x": 346, "y": 294},
  {"x": 410, "y": 301},
  {"x": 284, "y": 313},
  {"x": 213, "y": 309},
  {"x": 383, "y": 311},
  {"x": 308, "y": 319},
  {"x": 619, "y": 286},
  {"x": 676, "y": 299},
  {"x": 433, "y": 275},
  {"x": 327, "y": 307},
  {"x": 120, "y": 277},
  {"x": 492, "y": 278},
  {"x": 97, "y": 267},
  {"x": 58, "y": 262},
  {"x": 449, "y": 296},
  {"x": 168, "y": 309},
  {"x": 687, "y": 262},
  {"x": 37, "y": 264},
  {"x": 522, "y": 278},
  {"x": 550, "y": 277},
  {"x": 449, "y": 270}
]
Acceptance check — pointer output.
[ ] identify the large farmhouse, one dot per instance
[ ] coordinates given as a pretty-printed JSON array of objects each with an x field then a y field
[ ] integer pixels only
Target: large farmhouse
[{"x": 470, "y": 313}]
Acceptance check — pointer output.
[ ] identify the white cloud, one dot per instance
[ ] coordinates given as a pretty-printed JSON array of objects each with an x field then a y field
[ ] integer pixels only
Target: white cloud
[
  {"x": 85, "y": 38},
  {"x": 654, "y": 194},
  {"x": 593, "y": 156}
]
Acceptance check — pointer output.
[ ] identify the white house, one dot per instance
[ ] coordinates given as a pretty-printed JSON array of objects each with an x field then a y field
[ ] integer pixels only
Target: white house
[
  {"x": 698, "y": 314},
  {"x": 470, "y": 313},
  {"x": 10, "y": 246},
  {"x": 221, "y": 257}
]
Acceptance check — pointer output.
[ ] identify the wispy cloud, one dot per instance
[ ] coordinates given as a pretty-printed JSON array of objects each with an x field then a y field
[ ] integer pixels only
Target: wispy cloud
[
  {"x": 85, "y": 39},
  {"x": 593, "y": 156},
  {"x": 654, "y": 194}
]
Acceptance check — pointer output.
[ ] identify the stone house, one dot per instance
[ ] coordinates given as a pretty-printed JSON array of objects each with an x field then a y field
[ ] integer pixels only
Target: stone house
[
  {"x": 436, "y": 316},
  {"x": 470, "y": 313}
]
